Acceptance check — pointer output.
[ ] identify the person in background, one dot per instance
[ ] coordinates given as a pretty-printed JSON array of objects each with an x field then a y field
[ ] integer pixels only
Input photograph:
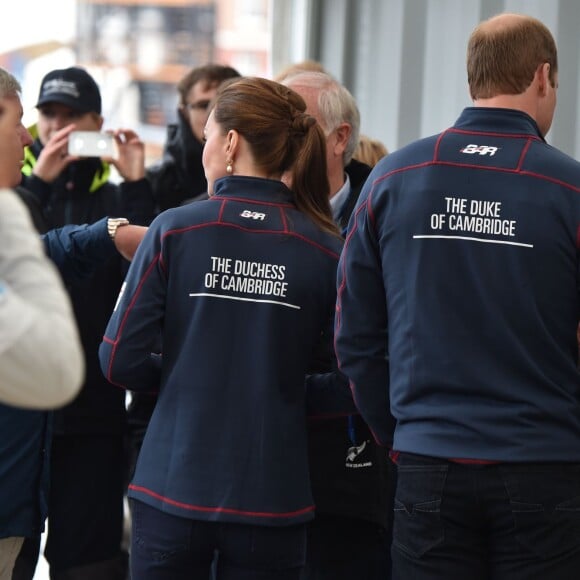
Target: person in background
[
  {"x": 461, "y": 265},
  {"x": 240, "y": 287},
  {"x": 307, "y": 65},
  {"x": 176, "y": 179},
  {"x": 178, "y": 176},
  {"x": 87, "y": 461},
  {"x": 335, "y": 109},
  {"x": 350, "y": 535},
  {"x": 42, "y": 364},
  {"x": 369, "y": 151}
]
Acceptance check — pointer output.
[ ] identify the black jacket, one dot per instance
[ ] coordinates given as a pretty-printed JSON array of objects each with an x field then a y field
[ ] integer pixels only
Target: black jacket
[
  {"x": 348, "y": 470},
  {"x": 179, "y": 176}
]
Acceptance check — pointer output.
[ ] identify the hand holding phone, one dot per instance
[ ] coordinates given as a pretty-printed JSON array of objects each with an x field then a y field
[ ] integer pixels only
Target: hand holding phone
[{"x": 91, "y": 144}]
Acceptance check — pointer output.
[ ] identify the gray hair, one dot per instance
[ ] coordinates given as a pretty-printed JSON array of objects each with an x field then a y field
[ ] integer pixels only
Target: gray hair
[
  {"x": 335, "y": 105},
  {"x": 9, "y": 86}
]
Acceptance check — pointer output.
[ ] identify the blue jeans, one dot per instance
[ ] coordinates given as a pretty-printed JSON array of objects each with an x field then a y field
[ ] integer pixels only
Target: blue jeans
[
  {"x": 167, "y": 547},
  {"x": 503, "y": 521}
]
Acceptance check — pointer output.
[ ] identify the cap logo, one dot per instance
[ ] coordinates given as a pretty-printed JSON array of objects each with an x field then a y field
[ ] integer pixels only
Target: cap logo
[{"x": 60, "y": 86}]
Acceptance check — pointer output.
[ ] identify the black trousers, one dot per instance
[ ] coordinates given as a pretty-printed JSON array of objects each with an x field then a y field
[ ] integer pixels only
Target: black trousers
[
  {"x": 85, "y": 511},
  {"x": 340, "y": 548}
]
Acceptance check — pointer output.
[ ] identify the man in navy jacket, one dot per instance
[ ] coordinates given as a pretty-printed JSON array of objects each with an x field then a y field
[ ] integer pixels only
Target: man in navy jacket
[{"x": 461, "y": 263}]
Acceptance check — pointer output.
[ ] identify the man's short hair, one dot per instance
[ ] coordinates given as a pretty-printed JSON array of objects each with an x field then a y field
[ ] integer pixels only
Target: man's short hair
[
  {"x": 335, "y": 105},
  {"x": 9, "y": 86},
  {"x": 502, "y": 58},
  {"x": 211, "y": 75}
]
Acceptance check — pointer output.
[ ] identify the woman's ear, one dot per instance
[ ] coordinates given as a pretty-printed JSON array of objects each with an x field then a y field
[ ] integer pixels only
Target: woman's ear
[{"x": 232, "y": 142}]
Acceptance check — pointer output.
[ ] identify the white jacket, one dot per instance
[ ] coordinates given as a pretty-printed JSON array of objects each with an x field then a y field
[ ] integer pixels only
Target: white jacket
[{"x": 41, "y": 358}]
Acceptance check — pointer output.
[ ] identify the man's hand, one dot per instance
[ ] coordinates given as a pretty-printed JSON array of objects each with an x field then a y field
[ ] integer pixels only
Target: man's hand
[
  {"x": 127, "y": 240},
  {"x": 54, "y": 156},
  {"x": 131, "y": 155}
]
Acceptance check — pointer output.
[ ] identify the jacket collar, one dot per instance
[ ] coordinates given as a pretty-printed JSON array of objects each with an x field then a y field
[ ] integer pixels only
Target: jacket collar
[
  {"x": 498, "y": 120},
  {"x": 181, "y": 144},
  {"x": 253, "y": 188}
]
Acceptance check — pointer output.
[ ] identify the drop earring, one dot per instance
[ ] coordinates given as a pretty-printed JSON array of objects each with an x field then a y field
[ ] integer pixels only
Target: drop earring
[{"x": 229, "y": 166}]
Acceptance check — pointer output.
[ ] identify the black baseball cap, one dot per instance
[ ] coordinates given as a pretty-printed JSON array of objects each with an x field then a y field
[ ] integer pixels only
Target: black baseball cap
[{"x": 73, "y": 87}]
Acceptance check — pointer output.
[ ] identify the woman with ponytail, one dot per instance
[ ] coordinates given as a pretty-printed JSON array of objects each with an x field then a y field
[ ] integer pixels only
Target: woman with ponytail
[{"x": 241, "y": 290}]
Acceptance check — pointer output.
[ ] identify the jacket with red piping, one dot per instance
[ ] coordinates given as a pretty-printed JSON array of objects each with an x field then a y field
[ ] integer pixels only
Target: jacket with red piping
[
  {"x": 462, "y": 265},
  {"x": 240, "y": 287}
]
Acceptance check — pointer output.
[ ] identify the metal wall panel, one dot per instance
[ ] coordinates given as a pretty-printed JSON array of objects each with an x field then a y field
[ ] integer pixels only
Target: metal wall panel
[{"x": 404, "y": 60}]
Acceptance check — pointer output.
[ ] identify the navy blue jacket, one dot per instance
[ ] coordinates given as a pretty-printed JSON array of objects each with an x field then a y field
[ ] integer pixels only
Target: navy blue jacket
[
  {"x": 24, "y": 461},
  {"x": 461, "y": 262},
  {"x": 241, "y": 287},
  {"x": 79, "y": 250}
]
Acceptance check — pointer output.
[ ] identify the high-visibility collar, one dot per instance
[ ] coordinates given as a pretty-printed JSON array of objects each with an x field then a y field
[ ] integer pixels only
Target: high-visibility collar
[{"x": 100, "y": 178}]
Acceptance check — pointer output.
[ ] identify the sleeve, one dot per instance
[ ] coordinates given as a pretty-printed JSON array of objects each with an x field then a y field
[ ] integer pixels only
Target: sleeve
[
  {"x": 41, "y": 357},
  {"x": 328, "y": 395},
  {"x": 134, "y": 329},
  {"x": 78, "y": 250},
  {"x": 361, "y": 321},
  {"x": 327, "y": 389}
]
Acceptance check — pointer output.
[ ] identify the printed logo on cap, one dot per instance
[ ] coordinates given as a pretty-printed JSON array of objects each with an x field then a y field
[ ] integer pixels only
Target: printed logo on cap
[{"x": 61, "y": 86}]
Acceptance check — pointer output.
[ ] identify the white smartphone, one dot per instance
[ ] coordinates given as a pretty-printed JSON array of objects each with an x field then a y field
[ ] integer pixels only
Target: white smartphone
[{"x": 91, "y": 144}]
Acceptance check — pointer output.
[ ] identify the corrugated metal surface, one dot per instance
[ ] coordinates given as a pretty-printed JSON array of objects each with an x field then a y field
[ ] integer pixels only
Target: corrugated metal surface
[{"x": 404, "y": 60}]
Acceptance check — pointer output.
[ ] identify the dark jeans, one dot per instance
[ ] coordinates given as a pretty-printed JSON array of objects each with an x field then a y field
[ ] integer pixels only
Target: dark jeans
[
  {"x": 167, "y": 547},
  {"x": 494, "y": 522}
]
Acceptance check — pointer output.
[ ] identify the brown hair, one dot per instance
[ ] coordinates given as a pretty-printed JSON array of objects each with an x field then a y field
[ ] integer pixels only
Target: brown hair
[
  {"x": 281, "y": 137},
  {"x": 503, "y": 55},
  {"x": 212, "y": 75}
]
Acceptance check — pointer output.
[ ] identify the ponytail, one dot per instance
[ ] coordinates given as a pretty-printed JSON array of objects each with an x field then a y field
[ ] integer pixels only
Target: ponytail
[
  {"x": 282, "y": 137},
  {"x": 310, "y": 177}
]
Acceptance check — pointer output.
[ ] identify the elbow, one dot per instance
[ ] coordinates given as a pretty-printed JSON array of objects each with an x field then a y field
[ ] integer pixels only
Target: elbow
[
  {"x": 69, "y": 376},
  {"x": 71, "y": 382},
  {"x": 120, "y": 372}
]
